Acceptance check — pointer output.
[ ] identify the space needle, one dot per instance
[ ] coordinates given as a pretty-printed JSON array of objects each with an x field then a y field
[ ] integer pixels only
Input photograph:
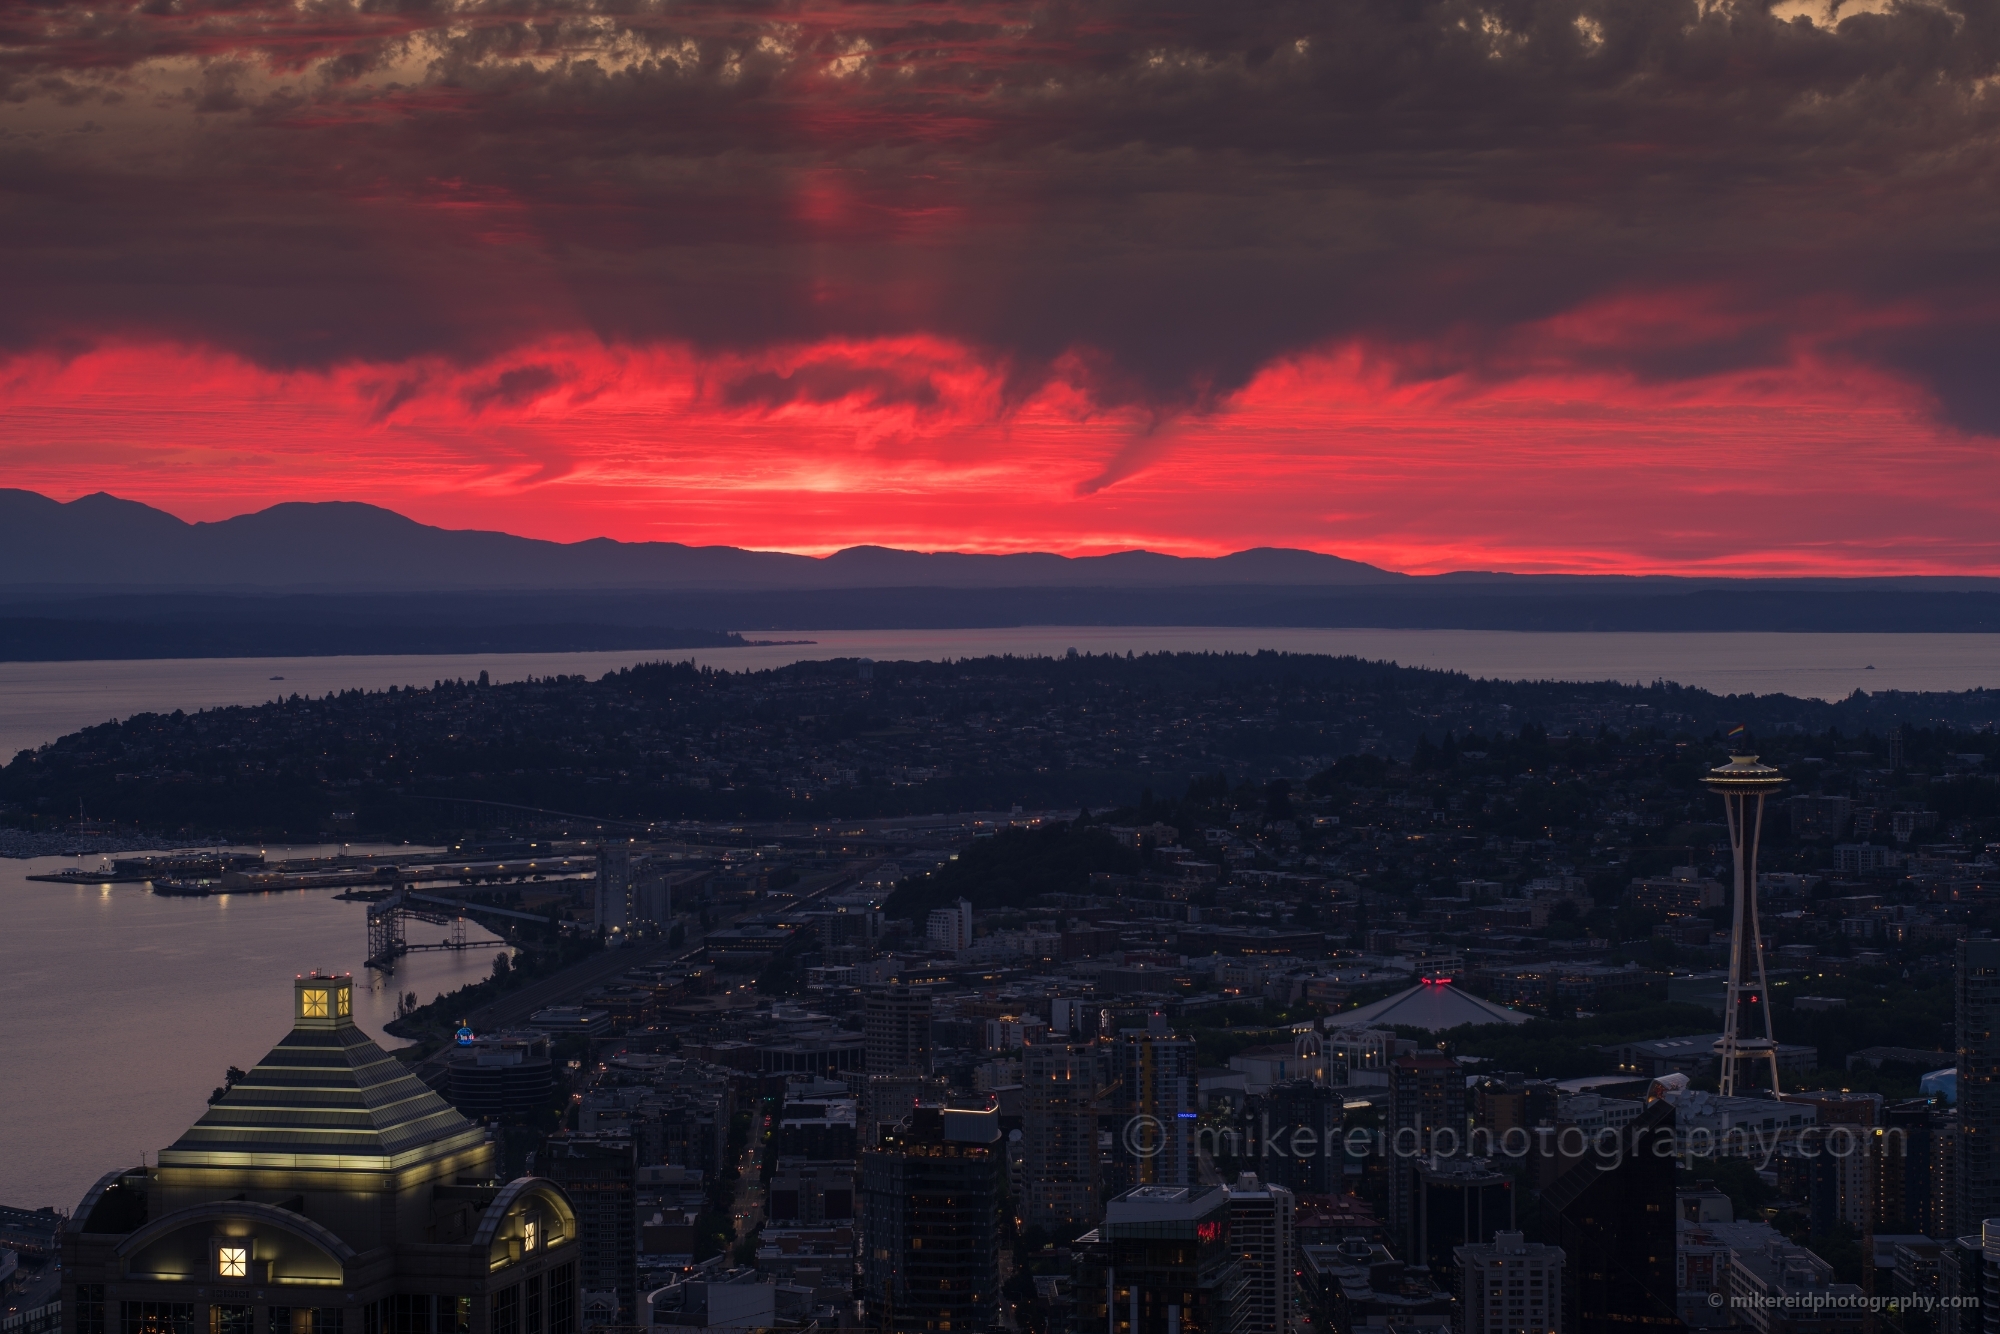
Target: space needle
[{"x": 1743, "y": 784}]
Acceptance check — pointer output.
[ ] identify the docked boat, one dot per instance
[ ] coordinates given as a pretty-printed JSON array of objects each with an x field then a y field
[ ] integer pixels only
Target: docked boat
[{"x": 186, "y": 887}]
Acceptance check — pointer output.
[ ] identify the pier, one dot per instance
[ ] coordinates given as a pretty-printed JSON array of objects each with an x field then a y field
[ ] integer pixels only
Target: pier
[{"x": 388, "y": 940}]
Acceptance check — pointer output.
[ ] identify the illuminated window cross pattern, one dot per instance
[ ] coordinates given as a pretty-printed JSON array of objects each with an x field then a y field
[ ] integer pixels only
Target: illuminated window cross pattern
[
  {"x": 232, "y": 1261},
  {"x": 312, "y": 1003}
]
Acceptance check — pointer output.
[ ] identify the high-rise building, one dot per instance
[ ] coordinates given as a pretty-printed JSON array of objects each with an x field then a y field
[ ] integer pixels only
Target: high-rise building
[
  {"x": 1427, "y": 1121},
  {"x": 896, "y": 1026},
  {"x": 1510, "y": 1285},
  {"x": 1839, "y": 1184},
  {"x": 1613, "y": 1216},
  {"x": 1460, "y": 1201},
  {"x": 1062, "y": 1086},
  {"x": 1505, "y": 1102},
  {"x": 328, "y": 1191},
  {"x": 501, "y": 1075},
  {"x": 1963, "y": 1271},
  {"x": 1302, "y": 1149},
  {"x": 930, "y": 1200},
  {"x": 1157, "y": 1105},
  {"x": 950, "y": 928},
  {"x": 887, "y": 1099},
  {"x": 1933, "y": 1176},
  {"x": 1978, "y": 1016},
  {"x": 1261, "y": 1221},
  {"x": 599, "y": 1173},
  {"x": 1748, "y": 1048},
  {"x": 1161, "y": 1262}
]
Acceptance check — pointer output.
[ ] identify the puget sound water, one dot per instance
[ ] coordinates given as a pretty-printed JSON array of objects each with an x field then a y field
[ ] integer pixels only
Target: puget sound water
[{"x": 121, "y": 1009}]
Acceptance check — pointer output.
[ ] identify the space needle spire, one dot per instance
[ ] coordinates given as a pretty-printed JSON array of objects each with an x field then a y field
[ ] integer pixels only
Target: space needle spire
[{"x": 1743, "y": 784}]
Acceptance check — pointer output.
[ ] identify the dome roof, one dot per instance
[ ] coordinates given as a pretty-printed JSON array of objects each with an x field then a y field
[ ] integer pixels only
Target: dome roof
[{"x": 1433, "y": 1005}]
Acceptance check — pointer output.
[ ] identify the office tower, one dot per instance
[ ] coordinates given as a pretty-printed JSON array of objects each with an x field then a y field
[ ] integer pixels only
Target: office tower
[
  {"x": 950, "y": 928},
  {"x": 1157, "y": 1107},
  {"x": 1303, "y": 1150},
  {"x": 335, "y": 1191},
  {"x": 930, "y": 1199},
  {"x": 1743, "y": 784},
  {"x": 1161, "y": 1262},
  {"x": 1901, "y": 1162},
  {"x": 1978, "y": 1015},
  {"x": 1613, "y": 1217},
  {"x": 1062, "y": 1180},
  {"x": 811, "y": 1194},
  {"x": 1510, "y": 1285},
  {"x": 896, "y": 1023},
  {"x": 818, "y": 1128},
  {"x": 1963, "y": 1271},
  {"x": 1933, "y": 1161},
  {"x": 1426, "y": 1121},
  {"x": 887, "y": 1099},
  {"x": 501, "y": 1074},
  {"x": 1504, "y": 1102},
  {"x": 1460, "y": 1201},
  {"x": 1260, "y": 1233},
  {"x": 1843, "y": 1187},
  {"x": 600, "y": 1175}
]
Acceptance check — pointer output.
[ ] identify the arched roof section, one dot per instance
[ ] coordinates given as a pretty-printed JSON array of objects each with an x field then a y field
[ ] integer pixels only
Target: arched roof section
[
  {"x": 108, "y": 1186},
  {"x": 261, "y": 1215},
  {"x": 501, "y": 1224}
]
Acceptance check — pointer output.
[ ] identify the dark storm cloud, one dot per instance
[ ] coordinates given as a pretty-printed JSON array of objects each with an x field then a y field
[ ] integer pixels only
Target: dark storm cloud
[
  {"x": 1157, "y": 198},
  {"x": 832, "y": 381},
  {"x": 513, "y": 388}
]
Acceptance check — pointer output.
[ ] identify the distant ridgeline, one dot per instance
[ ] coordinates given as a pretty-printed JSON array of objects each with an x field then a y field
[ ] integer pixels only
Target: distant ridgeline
[
  {"x": 101, "y": 577},
  {"x": 823, "y": 740}
]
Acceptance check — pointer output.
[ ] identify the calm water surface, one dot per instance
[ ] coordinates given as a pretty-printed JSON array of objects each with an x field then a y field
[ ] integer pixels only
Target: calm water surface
[
  {"x": 120, "y": 1010},
  {"x": 40, "y": 701}
]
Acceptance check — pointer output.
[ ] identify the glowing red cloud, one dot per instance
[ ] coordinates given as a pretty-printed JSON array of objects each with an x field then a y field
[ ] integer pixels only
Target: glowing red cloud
[{"x": 1809, "y": 466}]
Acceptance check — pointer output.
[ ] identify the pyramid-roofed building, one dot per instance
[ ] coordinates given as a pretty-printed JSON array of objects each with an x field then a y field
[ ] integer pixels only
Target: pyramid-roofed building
[
  {"x": 333, "y": 1188},
  {"x": 1433, "y": 1005},
  {"x": 325, "y": 1098}
]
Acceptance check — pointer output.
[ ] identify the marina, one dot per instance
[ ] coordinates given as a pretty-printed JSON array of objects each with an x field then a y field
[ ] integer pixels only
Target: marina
[{"x": 200, "y": 875}]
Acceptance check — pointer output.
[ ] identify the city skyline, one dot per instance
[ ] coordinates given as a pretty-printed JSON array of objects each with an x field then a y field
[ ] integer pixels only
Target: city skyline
[
  {"x": 755, "y": 1072},
  {"x": 1053, "y": 669}
]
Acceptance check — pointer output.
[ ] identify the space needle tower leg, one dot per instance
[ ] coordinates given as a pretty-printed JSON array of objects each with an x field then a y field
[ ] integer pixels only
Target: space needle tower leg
[
  {"x": 1732, "y": 998},
  {"x": 1757, "y": 946}
]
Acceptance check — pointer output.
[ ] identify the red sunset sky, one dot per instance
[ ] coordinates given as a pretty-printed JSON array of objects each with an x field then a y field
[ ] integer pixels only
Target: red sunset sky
[{"x": 1548, "y": 285}]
